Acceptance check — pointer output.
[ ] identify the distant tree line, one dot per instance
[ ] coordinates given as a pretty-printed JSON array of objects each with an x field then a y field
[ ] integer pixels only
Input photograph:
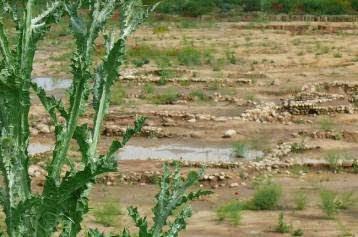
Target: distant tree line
[{"x": 194, "y": 8}]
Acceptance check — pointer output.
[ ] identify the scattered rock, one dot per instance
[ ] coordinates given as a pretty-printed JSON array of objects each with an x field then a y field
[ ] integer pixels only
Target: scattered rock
[
  {"x": 229, "y": 133},
  {"x": 196, "y": 135},
  {"x": 234, "y": 185},
  {"x": 193, "y": 120},
  {"x": 43, "y": 128}
]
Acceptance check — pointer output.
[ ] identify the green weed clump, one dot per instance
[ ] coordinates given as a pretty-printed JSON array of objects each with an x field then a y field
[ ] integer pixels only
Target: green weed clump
[
  {"x": 240, "y": 149},
  {"x": 327, "y": 124},
  {"x": 298, "y": 232},
  {"x": 355, "y": 166},
  {"x": 199, "y": 95},
  {"x": 140, "y": 62},
  {"x": 335, "y": 159},
  {"x": 148, "y": 88},
  {"x": 189, "y": 56},
  {"x": 298, "y": 147},
  {"x": 332, "y": 202},
  {"x": 300, "y": 200},
  {"x": 267, "y": 196},
  {"x": 328, "y": 203},
  {"x": 282, "y": 226},
  {"x": 107, "y": 214},
  {"x": 169, "y": 96},
  {"x": 118, "y": 95},
  {"x": 231, "y": 212}
]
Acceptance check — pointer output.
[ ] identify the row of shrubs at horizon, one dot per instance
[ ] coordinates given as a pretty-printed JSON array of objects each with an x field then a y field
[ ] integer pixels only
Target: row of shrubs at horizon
[{"x": 195, "y": 8}]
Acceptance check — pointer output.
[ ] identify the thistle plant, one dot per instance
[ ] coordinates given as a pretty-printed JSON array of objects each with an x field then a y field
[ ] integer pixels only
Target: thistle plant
[
  {"x": 173, "y": 194},
  {"x": 61, "y": 206}
]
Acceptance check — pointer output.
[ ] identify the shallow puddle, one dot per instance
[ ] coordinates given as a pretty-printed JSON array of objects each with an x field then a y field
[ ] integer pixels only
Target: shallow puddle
[
  {"x": 167, "y": 152},
  {"x": 179, "y": 152},
  {"x": 37, "y": 148},
  {"x": 50, "y": 84}
]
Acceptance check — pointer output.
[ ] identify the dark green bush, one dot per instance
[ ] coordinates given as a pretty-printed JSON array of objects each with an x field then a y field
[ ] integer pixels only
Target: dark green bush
[
  {"x": 194, "y": 8},
  {"x": 230, "y": 211},
  {"x": 251, "y": 5},
  {"x": 171, "y": 7},
  {"x": 325, "y": 7},
  {"x": 266, "y": 197},
  {"x": 354, "y": 5},
  {"x": 275, "y": 6}
]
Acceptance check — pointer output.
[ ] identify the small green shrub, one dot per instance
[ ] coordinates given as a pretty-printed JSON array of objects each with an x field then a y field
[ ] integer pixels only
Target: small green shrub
[
  {"x": 326, "y": 124},
  {"x": 328, "y": 203},
  {"x": 148, "y": 89},
  {"x": 231, "y": 212},
  {"x": 355, "y": 166},
  {"x": 266, "y": 197},
  {"x": 162, "y": 56},
  {"x": 300, "y": 200},
  {"x": 282, "y": 227},
  {"x": 187, "y": 24},
  {"x": 240, "y": 149},
  {"x": 160, "y": 29},
  {"x": 118, "y": 95},
  {"x": 298, "y": 232},
  {"x": 332, "y": 202},
  {"x": 345, "y": 200},
  {"x": 321, "y": 49},
  {"x": 231, "y": 57},
  {"x": 107, "y": 214},
  {"x": 334, "y": 158},
  {"x": 167, "y": 97},
  {"x": 337, "y": 55},
  {"x": 165, "y": 74},
  {"x": 189, "y": 56},
  {"x": 199, "y": 95},
  {"x": 250, "y": 97},
  {"x": 217, "y": 63},
  {"x": 298, "y": 147},
  {"x": 140, "y": 62},
  {"x": 214, "y": 85}
]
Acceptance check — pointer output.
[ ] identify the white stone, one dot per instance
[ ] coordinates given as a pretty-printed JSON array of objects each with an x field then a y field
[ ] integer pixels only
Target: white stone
[
  {"x": 230, "y": 133},
  {"x": 234, "y": 185}
]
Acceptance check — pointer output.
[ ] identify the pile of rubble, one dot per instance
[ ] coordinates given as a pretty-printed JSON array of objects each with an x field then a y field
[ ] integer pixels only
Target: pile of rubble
[
  {"x": 154, "y": 76},
  {"x": 319, "y": 134},
  {"x": 348, "y": 87},
  {"x": 268, "y": 112},
  {"x": 313, "y": 102},
  {"x": 284, "y": 149}
]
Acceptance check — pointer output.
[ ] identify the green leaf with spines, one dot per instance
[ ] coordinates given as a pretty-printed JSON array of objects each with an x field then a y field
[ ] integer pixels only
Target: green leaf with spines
[
  {"x": 140, "y": 222},
  {"x": 51, "y": 104},
  {"x": 128, "y": 134},
  {"x": 83, "y": 137},
  {"x": 172, "y": 195}
]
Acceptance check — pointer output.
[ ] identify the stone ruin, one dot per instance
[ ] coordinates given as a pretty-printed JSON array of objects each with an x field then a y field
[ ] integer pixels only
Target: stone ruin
[{"x": 314, "y": 99}]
